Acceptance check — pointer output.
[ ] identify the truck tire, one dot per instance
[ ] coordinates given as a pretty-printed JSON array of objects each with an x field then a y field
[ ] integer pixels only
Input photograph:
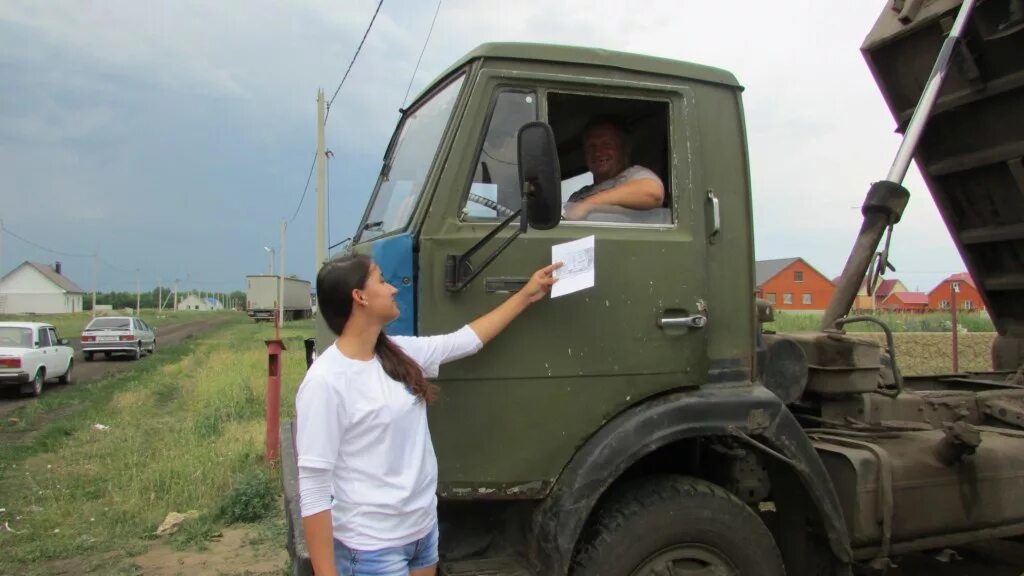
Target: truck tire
[
  {"x": 676, "y": 525},
  {"x": 65, "y": 378}
]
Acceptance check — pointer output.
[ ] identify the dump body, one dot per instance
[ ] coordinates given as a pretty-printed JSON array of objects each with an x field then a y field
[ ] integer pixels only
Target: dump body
[{"x": 971, "y": 151}]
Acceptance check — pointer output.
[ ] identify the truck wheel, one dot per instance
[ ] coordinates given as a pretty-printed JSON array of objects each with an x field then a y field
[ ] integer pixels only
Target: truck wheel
[
  {"x": 65, "y": 379},
  {"x": 37, "y": 383},
  {"x": 676, "y": 525}
]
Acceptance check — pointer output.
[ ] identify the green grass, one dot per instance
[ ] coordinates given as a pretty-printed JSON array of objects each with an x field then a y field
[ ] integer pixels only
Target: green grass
[
  {"x": 70, "y": 325},
  {"x": 186, "y": 432},
  {"x": 930, "y": 322}
]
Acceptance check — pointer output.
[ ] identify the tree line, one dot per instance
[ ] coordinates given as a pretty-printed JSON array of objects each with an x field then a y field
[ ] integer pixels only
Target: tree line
[{"x": 150, "y": 299}]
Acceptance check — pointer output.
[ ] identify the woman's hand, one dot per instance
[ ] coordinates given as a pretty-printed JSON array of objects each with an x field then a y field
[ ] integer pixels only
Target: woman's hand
[{"x": 540, "y": 283}]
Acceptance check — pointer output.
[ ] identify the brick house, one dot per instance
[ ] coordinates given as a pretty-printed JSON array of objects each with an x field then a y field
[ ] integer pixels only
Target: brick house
[
  {"x": 882, "y": 291},
  {"x": 793, "y": 284},
  {"x": 905, "y": 302},
  {"x": 968, "y": 299}
]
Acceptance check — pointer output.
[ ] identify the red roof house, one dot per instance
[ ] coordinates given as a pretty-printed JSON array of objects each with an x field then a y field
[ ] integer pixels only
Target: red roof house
[
  {"x": 905, "y": 302},
  {"x": 968, "y": 299}
]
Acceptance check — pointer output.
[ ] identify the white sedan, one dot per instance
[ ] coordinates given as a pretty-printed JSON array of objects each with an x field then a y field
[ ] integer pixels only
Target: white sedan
[{"x": 31, "y": 353}]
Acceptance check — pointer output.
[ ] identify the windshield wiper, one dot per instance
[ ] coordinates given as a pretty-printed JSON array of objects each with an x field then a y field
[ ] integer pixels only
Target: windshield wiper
[{"x": 372, "y": 226}]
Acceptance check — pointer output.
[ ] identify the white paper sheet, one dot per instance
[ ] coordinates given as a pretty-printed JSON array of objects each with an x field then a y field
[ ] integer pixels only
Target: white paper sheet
[{"x": 577, "y": 271}]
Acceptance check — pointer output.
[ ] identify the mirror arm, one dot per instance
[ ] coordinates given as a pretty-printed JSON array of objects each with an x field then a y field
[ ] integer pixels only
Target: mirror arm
[{"x": 453, "y": 265}]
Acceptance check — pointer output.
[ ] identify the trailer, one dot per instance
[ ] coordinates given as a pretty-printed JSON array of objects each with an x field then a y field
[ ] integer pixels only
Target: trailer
[{"x": 261, "y": 295}]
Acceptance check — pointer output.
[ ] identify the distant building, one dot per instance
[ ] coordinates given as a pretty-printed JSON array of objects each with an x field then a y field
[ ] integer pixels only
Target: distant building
[
  {"x": 34, "y": 288},
  {"x": 197, "y": 302},
  {"x": 905, "y": 302},
  {"x": 793, "y": 284},
  {"x": 968, "y": 299},
  {"x": 863, "y": 301}
]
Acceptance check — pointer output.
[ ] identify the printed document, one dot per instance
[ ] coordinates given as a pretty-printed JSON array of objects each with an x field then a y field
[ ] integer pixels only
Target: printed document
[{"x": 577, "y": 271}]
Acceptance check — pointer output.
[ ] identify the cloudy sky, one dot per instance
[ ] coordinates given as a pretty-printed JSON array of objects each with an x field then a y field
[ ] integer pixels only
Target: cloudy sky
[{"x": 172, "y": 137}]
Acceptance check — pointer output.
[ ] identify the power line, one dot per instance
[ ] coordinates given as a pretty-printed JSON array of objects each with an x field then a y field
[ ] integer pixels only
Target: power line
[
  {"x": 420, "y": 59},
  {"x": 354, "y": 56},
  {"x": 41, "y": 247},
  {"x": 305, "y": 188}
]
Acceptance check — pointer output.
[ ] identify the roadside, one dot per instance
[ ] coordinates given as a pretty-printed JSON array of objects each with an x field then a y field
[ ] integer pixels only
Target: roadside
[
  {"x": 168, "y": 335},
  {"x": 90, "y": 472}
]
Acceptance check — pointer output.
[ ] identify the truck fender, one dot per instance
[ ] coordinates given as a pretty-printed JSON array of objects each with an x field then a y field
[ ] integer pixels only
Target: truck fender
[{"x": 746, "y": 411}]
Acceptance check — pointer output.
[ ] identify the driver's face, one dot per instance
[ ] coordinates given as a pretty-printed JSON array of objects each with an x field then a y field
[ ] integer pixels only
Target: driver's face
[{"x": 605, "y": 151}]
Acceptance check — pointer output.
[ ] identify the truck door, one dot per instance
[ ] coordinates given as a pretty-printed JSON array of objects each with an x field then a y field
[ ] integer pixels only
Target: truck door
[{"x": 516, "y": 411}]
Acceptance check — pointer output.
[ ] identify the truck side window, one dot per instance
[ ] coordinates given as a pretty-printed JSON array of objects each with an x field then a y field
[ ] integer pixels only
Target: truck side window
[
  {"x": 495, "y": 191},
  {"x": 639, "y": 141}
]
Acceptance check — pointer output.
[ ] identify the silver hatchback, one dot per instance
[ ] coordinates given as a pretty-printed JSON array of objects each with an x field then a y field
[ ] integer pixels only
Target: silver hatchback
[{"x": 118, "y": 335}]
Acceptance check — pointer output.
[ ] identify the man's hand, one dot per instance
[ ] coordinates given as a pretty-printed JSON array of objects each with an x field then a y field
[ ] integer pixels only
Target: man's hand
[{"x": 578, "y": 210}]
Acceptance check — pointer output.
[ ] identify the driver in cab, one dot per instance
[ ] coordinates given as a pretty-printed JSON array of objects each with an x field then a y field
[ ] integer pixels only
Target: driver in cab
[{"x": 616, "y": 181}]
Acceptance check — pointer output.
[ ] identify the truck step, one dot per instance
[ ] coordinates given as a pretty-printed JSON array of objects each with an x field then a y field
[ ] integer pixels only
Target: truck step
[{"x": 501, "y": 566}]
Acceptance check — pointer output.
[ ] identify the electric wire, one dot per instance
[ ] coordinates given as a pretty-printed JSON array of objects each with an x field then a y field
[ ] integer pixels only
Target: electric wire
[
  {"x": 304, "y": 188},
  {"x": 350, "y": 64},
  {"x": 424, "y": 49},
  {"x": 44, "y": 248}
]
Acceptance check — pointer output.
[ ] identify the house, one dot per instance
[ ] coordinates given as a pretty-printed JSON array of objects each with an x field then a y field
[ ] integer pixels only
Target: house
[
  {"x": 197, "y": 302},
  {"x": 882, "y": 291},
  {"x": 34, "y": 288},
  {"x": 793, "y": 284},
  {"x": 905, "y": 302},
  {"x": 968, "y": 299}
]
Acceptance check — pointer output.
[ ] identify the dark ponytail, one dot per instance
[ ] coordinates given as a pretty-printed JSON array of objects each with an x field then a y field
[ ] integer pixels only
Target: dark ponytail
[{"x": 334, "y": 285}]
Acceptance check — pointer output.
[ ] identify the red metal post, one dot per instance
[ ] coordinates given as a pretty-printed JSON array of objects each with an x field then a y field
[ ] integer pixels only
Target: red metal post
[
  {"x": 956, "y": 348},
  {"x": 274, "y": 349}
]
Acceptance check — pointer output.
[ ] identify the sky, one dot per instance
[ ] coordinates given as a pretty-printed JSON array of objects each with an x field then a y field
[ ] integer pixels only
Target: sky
[{"x": 172, "y": 138}]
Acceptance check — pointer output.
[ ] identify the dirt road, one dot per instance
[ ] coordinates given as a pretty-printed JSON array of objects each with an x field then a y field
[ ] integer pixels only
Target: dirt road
[{"x": 11, "y": 399}]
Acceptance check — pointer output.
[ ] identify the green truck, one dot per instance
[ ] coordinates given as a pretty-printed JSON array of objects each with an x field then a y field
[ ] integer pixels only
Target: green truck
[{"x": 649, "y": 425}]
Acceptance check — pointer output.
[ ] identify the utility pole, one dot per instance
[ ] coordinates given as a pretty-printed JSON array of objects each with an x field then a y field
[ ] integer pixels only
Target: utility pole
[
  {"x": 280, "y": 285},
  {"x": 954, "y": 289},
  {"x": 3, "y": 302},
  {"x": 175, "y": 294},
  {"x": 321, "y": 187},
  {"x": 94, "y": 258},
  {"x": 160, "y": 297},
  {"x": 138, "y": 294}
]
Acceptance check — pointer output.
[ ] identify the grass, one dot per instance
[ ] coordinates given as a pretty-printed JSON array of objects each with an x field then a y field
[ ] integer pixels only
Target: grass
[
  {"x": 930, "y": 322},
  {"x": 185, "y": 433},
  {"x": 70, "y": 325}
]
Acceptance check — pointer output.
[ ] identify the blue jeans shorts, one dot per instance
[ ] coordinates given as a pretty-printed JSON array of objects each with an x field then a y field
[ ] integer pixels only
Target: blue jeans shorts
[{"x": 395, "y": 561}]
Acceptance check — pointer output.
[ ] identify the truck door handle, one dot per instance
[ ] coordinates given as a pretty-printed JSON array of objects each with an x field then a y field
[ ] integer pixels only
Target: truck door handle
[
  {"x": 696, "y": 321},
  {"x": 716, "y": 213},
  {"x": 505, "y": 284}
]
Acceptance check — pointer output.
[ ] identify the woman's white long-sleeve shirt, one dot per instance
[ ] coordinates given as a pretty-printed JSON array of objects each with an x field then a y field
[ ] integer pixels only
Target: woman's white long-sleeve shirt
[{"x": 364, "y": 436}]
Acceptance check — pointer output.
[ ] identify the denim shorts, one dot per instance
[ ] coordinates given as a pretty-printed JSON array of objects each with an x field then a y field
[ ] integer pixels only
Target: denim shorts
[{"x": 396, "y": 561}]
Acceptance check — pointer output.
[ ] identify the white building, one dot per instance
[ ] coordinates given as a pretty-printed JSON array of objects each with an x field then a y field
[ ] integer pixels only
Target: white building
[
  {"x": 195, "y": 302},
  {"x": 34, "y": 288}
]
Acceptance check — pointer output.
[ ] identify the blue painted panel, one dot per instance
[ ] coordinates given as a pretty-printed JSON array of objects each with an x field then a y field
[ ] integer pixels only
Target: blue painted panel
[{"x": 394, "y": 256}]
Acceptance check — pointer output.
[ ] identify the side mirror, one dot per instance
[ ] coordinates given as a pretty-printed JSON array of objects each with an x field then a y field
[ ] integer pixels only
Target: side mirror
[{"x": 540, "y": 175}]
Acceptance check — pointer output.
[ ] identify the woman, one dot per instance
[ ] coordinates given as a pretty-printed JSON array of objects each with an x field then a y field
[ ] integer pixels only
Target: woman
[{"x": 362, "y": 437}]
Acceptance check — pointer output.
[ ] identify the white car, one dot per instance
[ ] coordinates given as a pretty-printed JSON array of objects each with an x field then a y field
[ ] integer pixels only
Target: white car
[
  {"x": 117, "y": 335},
  {"x": 31, "y": 353}
]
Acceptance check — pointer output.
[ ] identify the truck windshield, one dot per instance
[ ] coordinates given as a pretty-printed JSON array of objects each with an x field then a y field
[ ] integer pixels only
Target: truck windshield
[
  {"x": 11, "y": 337},
  {"x": 408, "y": 162}
]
